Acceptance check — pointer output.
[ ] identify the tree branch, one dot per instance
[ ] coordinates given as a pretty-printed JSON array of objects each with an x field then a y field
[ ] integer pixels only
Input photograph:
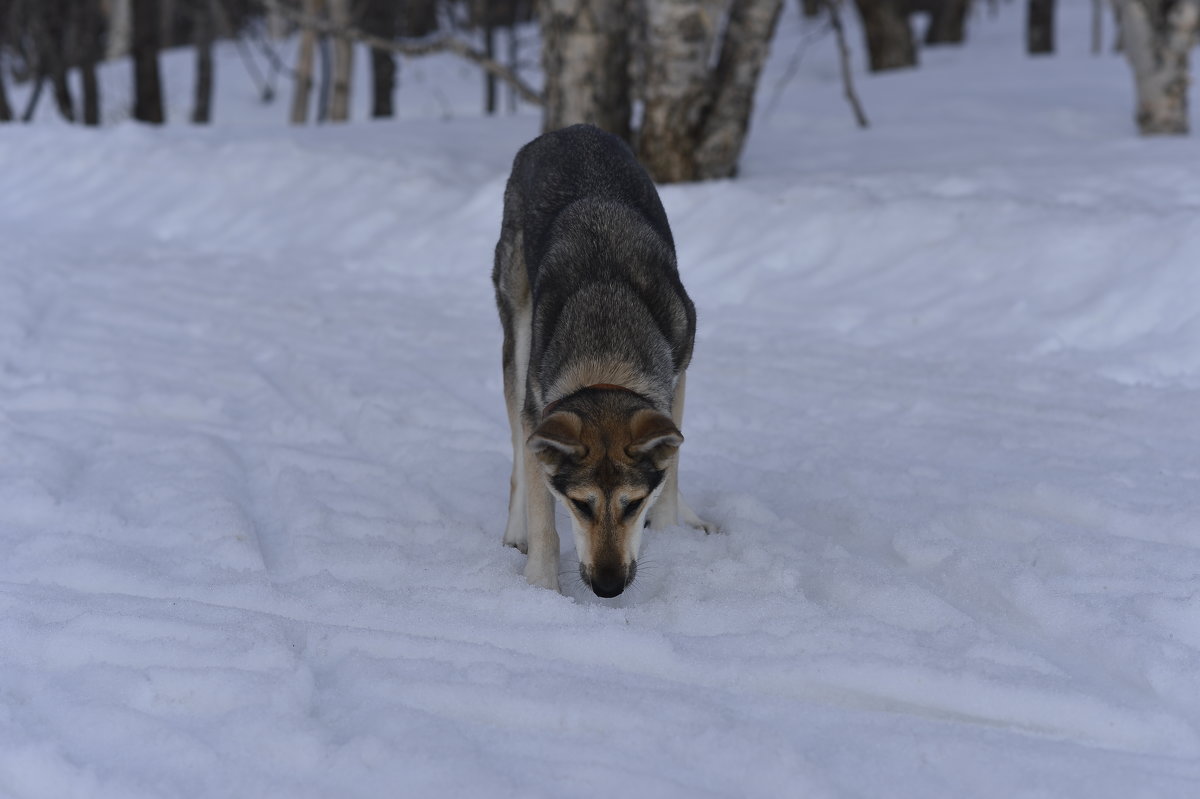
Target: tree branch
[
  {"x": 835, "y": 20},
  {"x": 437, "y": 44}
]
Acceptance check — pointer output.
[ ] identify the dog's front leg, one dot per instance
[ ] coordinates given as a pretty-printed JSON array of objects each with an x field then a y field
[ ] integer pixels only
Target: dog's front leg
[
  {"x": 670, "y": 508},
  {"x": 542, "y": 567}
]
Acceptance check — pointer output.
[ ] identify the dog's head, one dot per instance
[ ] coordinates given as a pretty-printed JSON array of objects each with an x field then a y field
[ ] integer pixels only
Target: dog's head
[{"x": 606, "y": 461}]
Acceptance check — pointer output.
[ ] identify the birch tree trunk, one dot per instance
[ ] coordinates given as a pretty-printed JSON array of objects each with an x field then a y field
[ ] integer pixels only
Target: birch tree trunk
[
  {"x": 304, "y": 66},
  {"x": 585, "y": 58},
  {"x": 889, "y": 36},
  {"x": 1158, "y": 37},
  {"x": 748, "y": 33},
  {"x": 680, "y": 38},
  {"x": 120, "y": 29},
  {"x": 343, "y": 62},
  {"x": 703, "y": 60}
]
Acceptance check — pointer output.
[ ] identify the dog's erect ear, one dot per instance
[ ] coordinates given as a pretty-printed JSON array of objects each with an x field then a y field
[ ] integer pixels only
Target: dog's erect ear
[
  {"x": 654, "y": 436},
  {"x": 556, "y": 439}
]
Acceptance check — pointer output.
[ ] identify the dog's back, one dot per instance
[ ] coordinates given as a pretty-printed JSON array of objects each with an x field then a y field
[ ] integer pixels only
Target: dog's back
[
  {"x": 580, "y": 163},
  {"x": 598, "y": 257}
]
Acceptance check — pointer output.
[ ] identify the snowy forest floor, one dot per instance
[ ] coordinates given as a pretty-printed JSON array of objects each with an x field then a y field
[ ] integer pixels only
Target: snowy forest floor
[{"x": 254, "y": 457}]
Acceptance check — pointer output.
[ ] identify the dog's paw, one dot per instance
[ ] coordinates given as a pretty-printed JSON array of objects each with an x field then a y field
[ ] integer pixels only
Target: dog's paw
[
  {"x": 692, "y": 520},
  {"x": 520, "y": 542},
  {"x": 542, "y": 575},
  {"x": 516, "y": 535}
]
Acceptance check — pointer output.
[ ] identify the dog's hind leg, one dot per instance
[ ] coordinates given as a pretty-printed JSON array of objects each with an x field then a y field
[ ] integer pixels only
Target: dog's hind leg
[
  {"x": 671, "y": 508},
  {"x": 513, "y": 303},
  {"x": 516, "y": 532}
]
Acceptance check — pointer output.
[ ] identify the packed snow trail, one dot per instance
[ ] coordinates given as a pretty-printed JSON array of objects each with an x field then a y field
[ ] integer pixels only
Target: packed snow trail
[{"x": 254, "y": 466}]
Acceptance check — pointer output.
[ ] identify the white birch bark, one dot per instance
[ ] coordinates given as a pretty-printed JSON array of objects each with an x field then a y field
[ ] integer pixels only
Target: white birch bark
[
  {"x": 120, "y": 29},
  {"x": 304, "y": 66},
  {"x": 681, "y": 36},
  {"x": 585, "y": 58},
  {"x": 703, "y": 61},
  {"x": 747, "y": 41},
  {"x": 1158, "y": 38}
]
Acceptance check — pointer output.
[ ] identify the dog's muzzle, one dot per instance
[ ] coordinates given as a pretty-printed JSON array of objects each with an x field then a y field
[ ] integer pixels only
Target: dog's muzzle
[{"x": 608, "y": 581}]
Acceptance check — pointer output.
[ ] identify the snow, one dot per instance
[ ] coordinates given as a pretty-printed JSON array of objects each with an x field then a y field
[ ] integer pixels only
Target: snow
[{"x": 254, "y": 457}]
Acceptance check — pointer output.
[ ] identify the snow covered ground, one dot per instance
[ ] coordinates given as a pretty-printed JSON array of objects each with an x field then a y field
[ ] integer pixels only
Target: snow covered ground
[{"x": 254, "y": 458}]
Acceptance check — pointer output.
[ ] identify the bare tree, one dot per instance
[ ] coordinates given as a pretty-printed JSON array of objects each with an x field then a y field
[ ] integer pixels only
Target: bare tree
[
  {"x": 585, "y": 57},
  {"x": 90, "y": 24},
  {"x": 304, "y": 65},
  {"x": 889, "y": 36},
  {"x": 53, "y": 37},
  {"x": 947, "y": 21},
  {"x": 1158, "y": 36},
  {"x": 380, "y": 18},
  {"x": 343, "y": 61},
  {"x": 6, "y": 114},
  {"x": 204, "y": 25},
  {"x": 1039, "y": 37},
  {"x": 835, "y": 20},
  {"x": 120, "y": 29},
  {"x": 147, "y": 87},
  {"x": 702, "y": 69}
]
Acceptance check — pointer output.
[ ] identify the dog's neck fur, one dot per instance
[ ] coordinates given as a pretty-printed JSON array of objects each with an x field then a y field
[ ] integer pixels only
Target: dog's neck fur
[{"x": 608, "y": 371}]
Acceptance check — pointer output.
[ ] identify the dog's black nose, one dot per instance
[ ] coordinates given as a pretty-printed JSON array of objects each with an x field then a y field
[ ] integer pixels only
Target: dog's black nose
[{"x": 610, "y": 581}]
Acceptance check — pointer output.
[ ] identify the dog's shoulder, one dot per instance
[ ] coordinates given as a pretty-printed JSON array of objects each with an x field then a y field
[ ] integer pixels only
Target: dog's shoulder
[{"x": 580, "y": 164}]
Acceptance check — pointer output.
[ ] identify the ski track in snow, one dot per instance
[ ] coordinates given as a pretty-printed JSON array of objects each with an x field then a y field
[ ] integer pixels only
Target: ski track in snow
[{"x": 254, "y": 462}]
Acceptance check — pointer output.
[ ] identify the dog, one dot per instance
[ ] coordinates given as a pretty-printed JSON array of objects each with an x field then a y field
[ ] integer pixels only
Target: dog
[{"x": 598, "y": 335}]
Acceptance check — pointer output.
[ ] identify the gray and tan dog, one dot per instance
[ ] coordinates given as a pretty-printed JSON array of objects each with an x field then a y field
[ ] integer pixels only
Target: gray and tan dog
[{"x": 598, "y": 334}]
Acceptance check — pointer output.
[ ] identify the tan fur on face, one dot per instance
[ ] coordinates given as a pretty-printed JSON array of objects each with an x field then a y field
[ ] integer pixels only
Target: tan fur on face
[{"x": 607, "y": 464}]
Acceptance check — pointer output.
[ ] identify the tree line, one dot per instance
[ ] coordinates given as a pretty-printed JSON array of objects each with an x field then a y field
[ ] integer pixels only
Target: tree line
[{"x": 675, "y": 78}]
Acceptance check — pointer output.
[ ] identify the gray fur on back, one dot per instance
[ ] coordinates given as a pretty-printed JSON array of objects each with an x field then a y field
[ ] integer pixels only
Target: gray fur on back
[{"x": 583, "y": 219}]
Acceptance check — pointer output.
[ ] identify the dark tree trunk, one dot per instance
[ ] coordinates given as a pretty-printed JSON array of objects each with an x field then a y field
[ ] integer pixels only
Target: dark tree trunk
[
  {"x": 418, "y": 18},
  {"x": 6, "y": 113},
  {"x": 380, "y": 17},
  {"x": 39, "y": 83},
  {"x": 1040, "y": 32},
  {"x": 147, "y": 87},
  {"x": 383, "y": 83},
  {"x": 91, "y": 29},
  {"x": 514, "y": 49},
  {"x": 203, "y": 32},
  {"x": 889, "y": 37},
  {"x": 947, "y": 22},
  {"x": 55, "y": 48},
  {"x": 489, "y": 80}
]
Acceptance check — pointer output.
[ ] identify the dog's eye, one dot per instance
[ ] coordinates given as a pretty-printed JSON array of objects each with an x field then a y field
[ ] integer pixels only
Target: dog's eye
[
  {"x": 631, "y": 508},
  {"x": 584, "y": 508}
]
